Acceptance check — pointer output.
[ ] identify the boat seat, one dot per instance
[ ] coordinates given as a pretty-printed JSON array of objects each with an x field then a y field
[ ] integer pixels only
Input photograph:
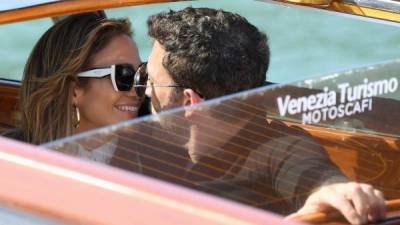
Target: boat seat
[{"x": 9, "y": 99}]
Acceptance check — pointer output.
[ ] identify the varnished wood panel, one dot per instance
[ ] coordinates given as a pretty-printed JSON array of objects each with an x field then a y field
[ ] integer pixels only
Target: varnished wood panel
[
  {"x": 69, "y": 7},
  {"x": 363, "y": 157},
  {"x": 9, "y": 98}
]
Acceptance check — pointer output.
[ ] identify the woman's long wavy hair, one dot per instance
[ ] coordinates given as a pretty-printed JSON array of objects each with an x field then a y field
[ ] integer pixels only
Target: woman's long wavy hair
[{"x": 50, "y": 73}]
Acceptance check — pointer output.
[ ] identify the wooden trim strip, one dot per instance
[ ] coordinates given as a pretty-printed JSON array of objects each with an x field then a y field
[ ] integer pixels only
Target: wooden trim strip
[
  {"x": 318, "y": 218},
  {"x": 6, "y": 82},
  {"x": 69, "y": 7},
  {"x": 339, "y": 6}
]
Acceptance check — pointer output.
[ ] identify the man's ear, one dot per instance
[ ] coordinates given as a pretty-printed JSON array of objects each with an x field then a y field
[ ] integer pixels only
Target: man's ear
[{"x": 190, "y": 98}]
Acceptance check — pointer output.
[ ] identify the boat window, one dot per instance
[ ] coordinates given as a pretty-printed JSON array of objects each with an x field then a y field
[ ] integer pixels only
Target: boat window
[
  {"x": 267, "y": 147},
  {"x": 13, "y": 216},
  {"x": 16, "y": 42},
  {"x": 305, "y": 43}
]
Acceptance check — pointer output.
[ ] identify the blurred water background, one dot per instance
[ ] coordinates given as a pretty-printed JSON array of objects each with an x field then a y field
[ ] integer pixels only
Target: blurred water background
[{"x": 304, "y": 43}]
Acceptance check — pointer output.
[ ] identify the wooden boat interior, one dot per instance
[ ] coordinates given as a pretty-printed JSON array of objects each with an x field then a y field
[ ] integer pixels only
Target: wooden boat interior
[
  {"x": 361, "y": 153},
  {"x": 365, "y": 156}
]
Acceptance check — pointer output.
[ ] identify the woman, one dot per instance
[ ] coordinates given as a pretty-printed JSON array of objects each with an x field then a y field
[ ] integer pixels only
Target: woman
[{"x": 79, "y": 76}]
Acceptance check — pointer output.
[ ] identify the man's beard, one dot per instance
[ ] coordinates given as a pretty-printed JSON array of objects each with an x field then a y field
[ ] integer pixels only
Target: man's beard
[
  {"x": 174, "y": 123},
  {"x": 174, "y": 100}
]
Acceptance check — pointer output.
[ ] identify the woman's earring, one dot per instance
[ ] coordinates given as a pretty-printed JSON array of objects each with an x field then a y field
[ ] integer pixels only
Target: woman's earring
[{"x": 77, "y": 117}]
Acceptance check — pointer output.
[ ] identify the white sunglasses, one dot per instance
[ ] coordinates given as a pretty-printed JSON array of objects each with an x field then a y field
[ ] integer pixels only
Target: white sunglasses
[{"x": 122, "y": 77}]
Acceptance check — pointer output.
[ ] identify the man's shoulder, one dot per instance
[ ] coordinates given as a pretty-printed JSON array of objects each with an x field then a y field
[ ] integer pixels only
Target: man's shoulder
[
  {"x": 283, "y": 139},
  {"x": 279, "y": 130}
]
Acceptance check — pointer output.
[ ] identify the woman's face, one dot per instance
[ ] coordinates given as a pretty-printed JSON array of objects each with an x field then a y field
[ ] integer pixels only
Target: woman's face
[{"x": 99, "y": 104}]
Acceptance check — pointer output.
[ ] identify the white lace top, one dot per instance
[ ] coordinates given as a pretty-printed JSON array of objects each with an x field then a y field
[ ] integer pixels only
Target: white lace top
[{"x": 102, "y": 154}]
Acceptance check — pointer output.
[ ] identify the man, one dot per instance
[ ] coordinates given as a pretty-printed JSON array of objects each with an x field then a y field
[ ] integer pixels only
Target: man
[{"x": 200, "y": 54}]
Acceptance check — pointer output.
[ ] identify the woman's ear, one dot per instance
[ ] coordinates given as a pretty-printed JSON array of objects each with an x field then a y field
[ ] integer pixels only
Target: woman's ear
[
  {"x": 190, "y": 98},
  {"x": 77, "y": 93}
]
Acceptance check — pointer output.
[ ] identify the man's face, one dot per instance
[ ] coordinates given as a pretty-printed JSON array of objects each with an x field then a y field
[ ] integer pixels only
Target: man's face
[{"x": 162, "y": 98}]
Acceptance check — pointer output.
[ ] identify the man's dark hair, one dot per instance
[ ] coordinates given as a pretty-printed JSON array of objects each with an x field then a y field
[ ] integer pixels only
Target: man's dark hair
[{"x": 211, "y": 51}]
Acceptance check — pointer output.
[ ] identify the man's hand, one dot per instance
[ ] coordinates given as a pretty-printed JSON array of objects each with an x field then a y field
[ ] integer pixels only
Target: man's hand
[{"x": 359, "y": 203}]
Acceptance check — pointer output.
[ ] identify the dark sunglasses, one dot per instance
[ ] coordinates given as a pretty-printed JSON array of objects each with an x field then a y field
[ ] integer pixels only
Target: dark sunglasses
[
  {"x": 142, "y": 77},
  {"x": 123, "y": 77}
]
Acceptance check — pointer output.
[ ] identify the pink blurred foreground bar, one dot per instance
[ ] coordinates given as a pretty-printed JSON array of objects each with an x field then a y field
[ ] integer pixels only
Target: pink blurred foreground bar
[{"x": 76, "y": 191}]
